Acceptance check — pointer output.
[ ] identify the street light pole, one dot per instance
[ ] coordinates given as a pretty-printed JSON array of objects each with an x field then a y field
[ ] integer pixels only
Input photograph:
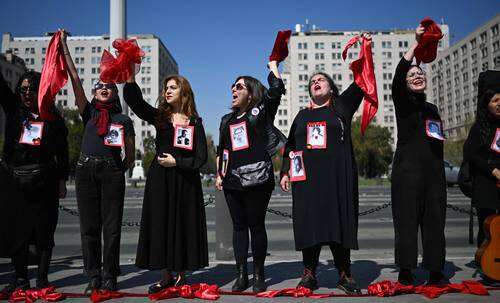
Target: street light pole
[{"x": 118, "y": 30}]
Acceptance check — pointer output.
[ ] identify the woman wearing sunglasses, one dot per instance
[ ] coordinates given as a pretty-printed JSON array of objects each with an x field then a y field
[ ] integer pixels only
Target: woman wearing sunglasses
[
  {"x": 418, "y": 179},
  {"x": 36, "y": 154},
  {"x": 173, "y": 235},
  {"x": 100, "y": 181},
  {"x": 246, "y": 145}
]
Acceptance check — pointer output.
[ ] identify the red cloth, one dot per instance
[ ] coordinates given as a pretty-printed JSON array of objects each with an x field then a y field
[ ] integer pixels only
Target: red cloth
[
  {"x": 200, "y": 291},
  {"x": 388, "y": 288},
  {"x": 102, "y": 120},
  {"x": 31, "y": 295},
  {"x": 104, "y": 295},
  {"x": 280, "y": 49},
  {"x": 364, "y": 76},
  {"x": 426, "y": 50},
  {"x": 54, "y": 77},
  {"x": 119, "y": 69},
  {"x": 299, "y": 292}
]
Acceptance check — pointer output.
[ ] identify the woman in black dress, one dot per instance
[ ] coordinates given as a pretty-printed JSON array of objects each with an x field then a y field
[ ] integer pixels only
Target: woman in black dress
[
  {"x": 247, "y": 176},
  {"x": 100, "y": 180},
  {"x": 325, "y": 189},
  {"x": 482, "y": 150},
  {"x": 418, "y": 180},
  {"x": 36, "y": 154},
  {"x": 173, "y": 235}
]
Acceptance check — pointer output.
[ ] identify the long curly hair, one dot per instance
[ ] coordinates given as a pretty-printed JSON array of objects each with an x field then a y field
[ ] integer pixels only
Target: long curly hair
[
  {"x": 188, "y": 106},
  {"x": 486, "y": 123}
]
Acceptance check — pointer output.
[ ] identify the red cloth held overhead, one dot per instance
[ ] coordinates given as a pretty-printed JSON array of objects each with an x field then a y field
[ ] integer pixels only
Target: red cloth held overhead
[
  {"x": 280, "y": 49},
  {"x": 364, "y": 76},
  {"x": 54, "y": 77},
  {"x": 119, "y": 69},
  {"x": 426, "y": 50}
]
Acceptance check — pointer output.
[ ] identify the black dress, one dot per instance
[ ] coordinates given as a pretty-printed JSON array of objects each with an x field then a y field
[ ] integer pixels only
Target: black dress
[
  {"x": 30, "y": 214},
  {"x": 325, "y": 205},
  {"x": 418, "y": 179},
  {"x": 173, "y": 233}
]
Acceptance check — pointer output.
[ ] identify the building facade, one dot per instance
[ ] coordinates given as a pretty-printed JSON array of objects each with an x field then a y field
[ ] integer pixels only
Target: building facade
[
  {"x": 452, "y": 79},
  {"x": 321, "y": 50},
  {"x": 86, "y": 52}
]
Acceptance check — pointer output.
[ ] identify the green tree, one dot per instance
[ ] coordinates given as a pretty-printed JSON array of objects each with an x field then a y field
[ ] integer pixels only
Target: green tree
[
  {"x": 75, "y": 135},
  {"x": 373, "y": 151},
  {"x": 453, "y": 148},
  {"x": 149, "y": 152}
]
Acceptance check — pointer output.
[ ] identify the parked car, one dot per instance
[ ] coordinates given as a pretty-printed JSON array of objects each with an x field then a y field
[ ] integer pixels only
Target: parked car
[{"x": 451, "y": 173}]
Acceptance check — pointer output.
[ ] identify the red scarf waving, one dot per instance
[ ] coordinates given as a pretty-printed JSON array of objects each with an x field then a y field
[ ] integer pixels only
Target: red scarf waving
[
  {"x": 119, "y": 69},
  {"x": 102, "y": 120},
  {"x": 280, "y": 49},
  {"x": 54, "y": 77},
  {"x": 364, "y": 76},
  {"x": 426, "y": 50}
]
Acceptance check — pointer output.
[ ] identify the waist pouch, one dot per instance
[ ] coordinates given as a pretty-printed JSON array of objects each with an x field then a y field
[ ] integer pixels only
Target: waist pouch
[
  {"x": 33, "y": 177},
  {"x": 253, "y": 174}
]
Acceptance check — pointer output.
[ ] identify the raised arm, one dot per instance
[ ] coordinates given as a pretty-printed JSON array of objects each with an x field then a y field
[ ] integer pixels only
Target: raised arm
[
  {"x": 199, "y": 158},
  {"x": 80, "y": 98},
  {"x": 133, "y": 97},
  {"x": 349, "y": 101},
  {"x": 276, "y": 90}
]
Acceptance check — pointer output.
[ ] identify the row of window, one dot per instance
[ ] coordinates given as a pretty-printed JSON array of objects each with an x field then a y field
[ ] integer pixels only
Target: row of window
[{"x": 338, "y": 45}]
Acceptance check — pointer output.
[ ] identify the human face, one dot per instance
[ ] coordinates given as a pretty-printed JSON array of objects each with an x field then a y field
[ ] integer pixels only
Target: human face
[
  {"x": 28, "y": 95},
  {"x": 241, "y": 96},
  {"x": 494, "y": 106},
  {"x": 172, "y": 92},
  {"x": 104, "y": 92},
  {"x": 415, "y": 80},
  {"x": 320, "y": 88}
]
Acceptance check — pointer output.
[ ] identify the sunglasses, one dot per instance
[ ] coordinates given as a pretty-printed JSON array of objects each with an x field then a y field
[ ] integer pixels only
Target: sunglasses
[
  {"x": 238, "y": 86},
  {"x": 25, "y": 89},
  {"x": 98, "y": 86}
]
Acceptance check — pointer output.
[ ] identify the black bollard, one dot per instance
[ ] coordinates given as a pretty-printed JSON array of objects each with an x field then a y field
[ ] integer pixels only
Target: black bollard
[{"x": 223, "y": 229}]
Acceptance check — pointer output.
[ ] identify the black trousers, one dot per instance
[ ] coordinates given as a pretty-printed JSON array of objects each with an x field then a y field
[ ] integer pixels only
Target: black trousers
[
  {"x": 482, "y": 214},
  {"x": 100, "y": 193},
  {"x": 248, "y": 212},
  {"x": 419, "y": 201},
  {"x": 341, "y": 257}
]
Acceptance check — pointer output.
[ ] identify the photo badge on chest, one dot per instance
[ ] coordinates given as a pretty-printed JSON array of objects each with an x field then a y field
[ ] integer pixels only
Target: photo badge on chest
[
  {"x": 225, "y": 161},
  {"x": 316, "y": 135},
  {"x": 495, "y": 145},
  {"x": 297, "y": 170},
  {"x": 115, "y": 136},
  {"x": 32, "y": 133},
  {"x": 184, "y": 137},
  {"x": 434, "y": 129},
  {"x": 239, "y": 136}
]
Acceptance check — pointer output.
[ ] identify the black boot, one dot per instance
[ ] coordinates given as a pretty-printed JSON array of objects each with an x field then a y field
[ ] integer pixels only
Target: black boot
[
  {"x": 308, "y": 279},
  {"x": 437, "y": 278},
  {"x": 94, "y": 284},
  {"x": 242, "y": 280},
  {"x": 42, "y": 280},
  {"x": 259, "y": 278},
  {"x": 405, "y": 277},
  {"x": 18, "y": 283}
]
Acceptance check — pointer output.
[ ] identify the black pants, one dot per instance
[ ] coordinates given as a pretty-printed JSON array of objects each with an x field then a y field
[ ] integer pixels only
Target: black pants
[
  {"x": 100, "y": 191},
  {"x": 341, "y": 257},
  {"x": 248, "y": 211},
  {"x": 20, "y": 262},
  {"x": 482, "y": 214}
]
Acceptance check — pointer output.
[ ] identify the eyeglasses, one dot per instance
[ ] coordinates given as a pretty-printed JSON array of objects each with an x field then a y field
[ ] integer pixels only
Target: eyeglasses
[
  {"x": 238, "y": 86},
  {"x": 412, "y": 75},
  {"x": 99, "y": 85},
  {"x": 25, "y": 89}
]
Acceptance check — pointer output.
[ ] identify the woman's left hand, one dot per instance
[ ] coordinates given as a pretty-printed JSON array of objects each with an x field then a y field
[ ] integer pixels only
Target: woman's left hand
[
  {"x": 167, "y": 161},
  {"x": 62, "y": 189},
  {"x": 367, "y": 36}
]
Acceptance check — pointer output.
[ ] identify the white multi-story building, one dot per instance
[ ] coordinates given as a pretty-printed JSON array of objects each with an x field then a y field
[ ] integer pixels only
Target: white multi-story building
[
  {"x": 321, "y": 50},
  {"x": 453, "y": 76},
  {"x": 86, "y": 52},
  {"x": 11, "y": 67}
]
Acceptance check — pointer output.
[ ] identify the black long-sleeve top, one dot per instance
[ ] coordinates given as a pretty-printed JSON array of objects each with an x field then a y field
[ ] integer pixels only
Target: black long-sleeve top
[
  {"x": 185, "y": 159},
  {"x": 54, "y": 143}
]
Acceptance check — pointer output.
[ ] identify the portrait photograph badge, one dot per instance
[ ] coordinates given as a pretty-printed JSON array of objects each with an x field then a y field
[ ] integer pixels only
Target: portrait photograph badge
[
  {"x": 184, "y": 137},
  {"x": 239, "y": 136},
  {"x": 316, "y": 135},
  {"x": 297, "y": 170},
  {"x": 434, "y": 129},
  {"x": 225, "y": 161},
  {"x": 32, "y": 133},
  {"x": 495, "y": 145},
  {"x": 115, "y": 136}
]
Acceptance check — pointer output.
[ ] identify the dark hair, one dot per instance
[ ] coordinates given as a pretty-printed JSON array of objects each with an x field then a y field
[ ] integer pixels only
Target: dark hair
[
  {"x": 188, "y": 106},
  {"x": 33, "y": 78},
  {"x": 255, "y": 89},
  {"x": 486, "y": 123},
  {"x": 333, "y": 87}
]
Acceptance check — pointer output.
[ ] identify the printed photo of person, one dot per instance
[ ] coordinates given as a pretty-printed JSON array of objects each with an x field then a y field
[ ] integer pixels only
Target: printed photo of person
[
  {"x": 297, "y": 166},
  {"x": 114, "y": 137},
  {"x": 434, "y": 129},
  {"x": 32, "y": 133},
  {"x": 182, "y": 137},
  {"x": 239, "y": 136}
]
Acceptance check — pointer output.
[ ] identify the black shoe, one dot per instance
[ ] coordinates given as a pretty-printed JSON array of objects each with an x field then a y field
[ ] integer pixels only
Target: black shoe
[
  {"x": 180, "y": 280},
  {"x": 349, "y": 286},
  {"x": 437, "y": 278},
  {"x": 241, "y": 282},
  {"x": 157, "y": 287},
  {"x": 308, "y": 280},
  {"x": 109, "y": 284},
  {"x": 94, "y": 284},
  {"x": 42, "y": 283},
  {"x": 19, "y": 283},
  {"x": 405, "y": 277},
  {"x": 259, "y": 278}
]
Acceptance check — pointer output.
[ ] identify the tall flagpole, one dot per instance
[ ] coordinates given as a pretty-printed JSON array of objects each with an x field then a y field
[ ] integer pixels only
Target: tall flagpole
[{"x": 118, "y": 30}]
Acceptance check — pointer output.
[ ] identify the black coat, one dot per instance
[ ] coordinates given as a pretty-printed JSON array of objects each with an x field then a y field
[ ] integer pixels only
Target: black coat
[{"x": 482, "y": 160}]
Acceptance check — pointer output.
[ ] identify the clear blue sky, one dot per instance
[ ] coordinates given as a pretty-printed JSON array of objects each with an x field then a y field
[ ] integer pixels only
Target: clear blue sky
[{"x": 215, "y": 41}]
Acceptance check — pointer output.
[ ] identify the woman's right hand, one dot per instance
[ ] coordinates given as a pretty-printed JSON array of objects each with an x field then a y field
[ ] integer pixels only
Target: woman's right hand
[
  {"x": 419, "y": 31},
  {"x": 64, "y": 35},
  {"x": 496, "y": 173},
  {"x": 218, "y": 183},
  {"x": 285, "y": 183}
]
